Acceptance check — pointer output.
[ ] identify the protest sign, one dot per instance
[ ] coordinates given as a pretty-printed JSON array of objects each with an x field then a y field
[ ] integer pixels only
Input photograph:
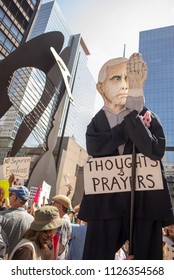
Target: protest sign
[
  {"x": 44, "y": 194},
  {"x": 19, "y": 166},
  {"x": 5, "y": 185},
  {"x": 34, "y": 195},
  {"x": 46, "y": 189},
  {"x": 113, "y": 174}
]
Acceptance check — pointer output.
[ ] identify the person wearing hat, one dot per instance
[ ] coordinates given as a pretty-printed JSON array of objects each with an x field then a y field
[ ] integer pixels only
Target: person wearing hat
[
  {"x": 36, "y": 241},
  {"x": 15, "y": 220},
  {"x": 63, "y": 204}
]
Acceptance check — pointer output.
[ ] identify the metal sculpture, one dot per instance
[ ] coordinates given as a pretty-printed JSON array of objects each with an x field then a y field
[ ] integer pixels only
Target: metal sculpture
[{"x": 34, "y": 53}]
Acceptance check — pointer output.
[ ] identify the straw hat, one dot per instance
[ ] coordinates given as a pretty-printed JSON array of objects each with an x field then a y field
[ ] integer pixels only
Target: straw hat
[
  {"x": 46, "y": 218},
  {"x": 63, "y": 200}
]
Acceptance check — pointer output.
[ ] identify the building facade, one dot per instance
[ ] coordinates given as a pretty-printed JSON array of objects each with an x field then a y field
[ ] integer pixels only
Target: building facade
[
  {"x": 83, "y": 87},
  {"x": 157, "y": 48},
  {"x": 17, "y": 18},
  {"x": 74, "y": 117}
]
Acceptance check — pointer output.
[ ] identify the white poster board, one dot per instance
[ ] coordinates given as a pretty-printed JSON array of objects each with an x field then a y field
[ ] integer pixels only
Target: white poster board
[
  {"x": 19, "y": 166},
  {"x": 113, "y": 174},
  {"x": 46, "y": 190}
]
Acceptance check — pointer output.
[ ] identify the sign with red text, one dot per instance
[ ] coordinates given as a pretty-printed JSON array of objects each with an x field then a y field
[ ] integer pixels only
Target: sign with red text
[{"x": 113, "y": 174}]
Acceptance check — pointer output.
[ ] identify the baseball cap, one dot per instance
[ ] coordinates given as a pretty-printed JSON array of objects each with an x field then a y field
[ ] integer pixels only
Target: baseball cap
[{"x": 21, "y": 192}]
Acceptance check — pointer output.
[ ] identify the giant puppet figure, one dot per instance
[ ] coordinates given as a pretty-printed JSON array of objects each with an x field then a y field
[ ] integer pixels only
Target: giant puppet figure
[{"x": 122, "y": 123}]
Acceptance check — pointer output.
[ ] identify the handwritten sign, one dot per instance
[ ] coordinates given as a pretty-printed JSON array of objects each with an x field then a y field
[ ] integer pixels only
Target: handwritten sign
[
  {"x": 113, "y": 174},
  {"x": 19, "y": 166}
]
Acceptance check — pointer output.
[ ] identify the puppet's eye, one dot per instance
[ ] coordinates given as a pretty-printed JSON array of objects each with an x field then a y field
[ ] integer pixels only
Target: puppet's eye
[{"x": 117, "y": 78}]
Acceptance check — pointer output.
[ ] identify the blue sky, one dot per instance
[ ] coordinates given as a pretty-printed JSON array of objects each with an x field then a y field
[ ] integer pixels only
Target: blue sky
[{"x": 106, "y": 25}]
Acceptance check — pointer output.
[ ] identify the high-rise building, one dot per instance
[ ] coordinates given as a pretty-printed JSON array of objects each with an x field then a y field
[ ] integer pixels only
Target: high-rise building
[
  {"x": 75, "y": 117},
  {"x": 16, "y": 21},
  {"x": 16, "y": 18},
  {"x": 157, "y": 48},
  {"x": 50, "y": 18}
]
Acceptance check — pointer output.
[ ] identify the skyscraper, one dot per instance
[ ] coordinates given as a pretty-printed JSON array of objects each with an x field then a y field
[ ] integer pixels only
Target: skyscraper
[
  {"x": 73, "y": 123},
  {"x": 50, "y": 18},
  {"x": 16, "y": 21},
  {"x": 157, "y": 48},
  {"x": 16, "y": 18}
]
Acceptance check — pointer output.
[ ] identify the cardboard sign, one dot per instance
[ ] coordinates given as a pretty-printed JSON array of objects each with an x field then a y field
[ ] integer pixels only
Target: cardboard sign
[
  {"x": 113, "y": 174},
  {"x": 19, "y": 166}
]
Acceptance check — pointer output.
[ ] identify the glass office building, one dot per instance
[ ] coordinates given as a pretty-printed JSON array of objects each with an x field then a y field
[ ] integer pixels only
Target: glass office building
[
  {"x": 83, "y": 86},
  {"x": 157, "y": 48},
  {"x": 77, "y": 116},
  {"x": 16, "y": 18},
  {"x": 16, "y": 21}
]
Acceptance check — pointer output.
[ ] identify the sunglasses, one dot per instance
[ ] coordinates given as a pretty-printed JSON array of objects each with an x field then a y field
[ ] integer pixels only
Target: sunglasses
[{"x": 10, "y": 194}]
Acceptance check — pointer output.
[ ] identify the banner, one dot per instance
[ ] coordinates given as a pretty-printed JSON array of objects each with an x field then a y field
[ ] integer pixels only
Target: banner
[
  {"x": 19, "y": 166},
  {"x": 113, "y": 174}
]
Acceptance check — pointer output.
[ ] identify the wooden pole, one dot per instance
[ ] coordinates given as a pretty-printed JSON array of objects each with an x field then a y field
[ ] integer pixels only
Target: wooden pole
[{"x": 132, "y": 205}]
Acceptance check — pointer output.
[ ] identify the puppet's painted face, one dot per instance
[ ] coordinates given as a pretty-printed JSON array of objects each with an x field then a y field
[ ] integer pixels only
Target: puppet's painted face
[{"x": 115, "y": 86}]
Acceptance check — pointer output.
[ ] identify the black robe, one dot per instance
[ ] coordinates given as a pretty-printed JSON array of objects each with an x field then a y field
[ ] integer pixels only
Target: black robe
[{"x": 101, "y": 141}]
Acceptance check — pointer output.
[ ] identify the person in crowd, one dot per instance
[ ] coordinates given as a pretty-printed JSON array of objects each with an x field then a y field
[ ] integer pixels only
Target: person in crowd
[
  {"x": 36, "y": 243},
  {"x": 15, "y": 220},
  {"x": 3, "y": 243},
  {"x": 2, "y": 199},
  {"x": 122, "y": 122},
  {"x": 168, "y": 242},
  {"x": 63, "y": 203},
  {"x": 77, "y": 241}
]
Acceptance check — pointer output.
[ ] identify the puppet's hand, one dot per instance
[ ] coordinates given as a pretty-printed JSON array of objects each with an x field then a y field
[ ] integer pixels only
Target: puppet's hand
[
  {"x": 136, "y": 71},
  {"x": 146, "y": 119}
]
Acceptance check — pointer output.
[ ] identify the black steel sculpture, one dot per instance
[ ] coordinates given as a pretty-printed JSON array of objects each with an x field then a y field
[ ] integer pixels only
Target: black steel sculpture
[{"x": 34, "y": 53}]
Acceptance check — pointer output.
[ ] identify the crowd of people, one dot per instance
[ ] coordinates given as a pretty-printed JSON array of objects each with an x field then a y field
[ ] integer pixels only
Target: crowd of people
[
  {"x": 45, "y": 232},
  {"x": 51, "y": 232}
]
